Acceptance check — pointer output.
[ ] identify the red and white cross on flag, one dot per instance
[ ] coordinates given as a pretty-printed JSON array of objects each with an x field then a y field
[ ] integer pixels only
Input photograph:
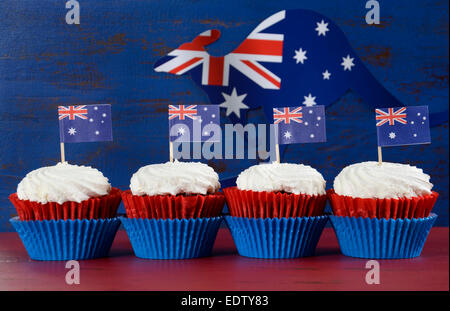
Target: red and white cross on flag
[
  {"x": 257, "y": 47},
  {"x": 182, "y": 111},
  {"x": 390, "y": 116},
  {"x": 285, "y": 115},
  {"x": 72, "y": 112}
]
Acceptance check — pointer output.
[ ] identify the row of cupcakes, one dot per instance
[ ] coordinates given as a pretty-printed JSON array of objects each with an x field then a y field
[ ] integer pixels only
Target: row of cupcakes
[{"x": 174, "y": 210}]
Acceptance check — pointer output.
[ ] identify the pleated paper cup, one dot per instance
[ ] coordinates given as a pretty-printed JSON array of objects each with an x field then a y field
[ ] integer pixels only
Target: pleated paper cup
[
  {"x": 172, "y": 238},
  {"x": 415, "y": 207},
  {"x": 261, "y": 204},
  {"x": 66, "y": 239},
  {"x": 276, "y": 237},
  {"x": 382, "y": 238},
  {"x": 94, "y": 208},
  {"x": 173, "y": 206}
]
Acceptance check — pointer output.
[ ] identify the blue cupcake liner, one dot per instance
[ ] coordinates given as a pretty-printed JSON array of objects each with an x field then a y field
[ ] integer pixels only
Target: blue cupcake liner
[
  {"x": 382, "y": 238},
  {"x": 172, "y": 238},
  {"x": 276, "y": 237},
  {"x": 66, "y": 239}
]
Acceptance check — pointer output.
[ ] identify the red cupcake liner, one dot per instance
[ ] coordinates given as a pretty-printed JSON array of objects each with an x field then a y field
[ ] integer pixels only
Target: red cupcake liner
[
  {"x": 94, "y": 208},
  {"x": 416, "y": 207},
  {"x": 261, "y": 204},
  {"x": 173, "y": 206}
]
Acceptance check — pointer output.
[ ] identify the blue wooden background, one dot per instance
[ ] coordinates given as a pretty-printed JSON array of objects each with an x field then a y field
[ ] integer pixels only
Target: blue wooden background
[{"x": 108, "y": 58}]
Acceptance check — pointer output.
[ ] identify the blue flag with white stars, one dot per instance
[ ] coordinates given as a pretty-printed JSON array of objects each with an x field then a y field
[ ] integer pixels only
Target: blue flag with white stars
[
  {"x": 85, "y": 123},
  {"x": 194, "y": 123},
  {"x": 403, "y": 126},
  {"x": 294, "y": 125},
  {"x": 293, "y": 57}
]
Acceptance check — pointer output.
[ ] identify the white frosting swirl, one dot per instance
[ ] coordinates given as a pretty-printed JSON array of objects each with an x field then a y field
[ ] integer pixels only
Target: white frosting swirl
[
  {"x": 388, "y": 180},
  {"x": 175, "y": 178},
  {"x": 61, "y": 183},
  {"x": 292, "y": 178}
]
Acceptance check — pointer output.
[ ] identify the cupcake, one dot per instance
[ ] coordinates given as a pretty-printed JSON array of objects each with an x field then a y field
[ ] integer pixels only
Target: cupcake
[
  {"x": 389, "y": 190},
  {"x": 66, "y": 212},
  {"x": 276, "y": 210},
  {"x": 65, "y": 191},
  {"x": 277, "y": 190},
  {"x": 173, "y": 210},
  {"x": 382, "y": 210}
]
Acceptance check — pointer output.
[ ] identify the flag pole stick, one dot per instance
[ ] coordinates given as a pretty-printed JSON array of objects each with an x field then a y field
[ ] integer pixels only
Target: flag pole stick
[
  {"x": 277, "y": 151},
  {"x": 171, "y": 151},
  {"x": 63, "y": 156},
  {"x": 277, "y": 145},
  {"x": 380, "y": 156}
]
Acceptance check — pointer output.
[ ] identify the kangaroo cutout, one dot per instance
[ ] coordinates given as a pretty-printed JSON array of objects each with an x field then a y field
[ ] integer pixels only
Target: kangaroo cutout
[{"x": 292, "y": 57}]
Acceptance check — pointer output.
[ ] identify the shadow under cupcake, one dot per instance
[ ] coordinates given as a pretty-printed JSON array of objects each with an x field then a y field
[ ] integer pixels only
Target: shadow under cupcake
[
  {"x": 66, "y": 212},
  {"x": 173, "y": 210},
  {"x": 276, "y": 210},
  {"x": 382, "y": 211}
]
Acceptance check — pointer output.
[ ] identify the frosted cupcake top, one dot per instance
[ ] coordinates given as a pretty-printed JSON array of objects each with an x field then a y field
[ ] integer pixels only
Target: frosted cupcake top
[
  {"x": 61, "y": 183},
  {"x": 175, "y": 178},
  {"x": 388, "y": 180},
  {"x": 292, "y": 178}
]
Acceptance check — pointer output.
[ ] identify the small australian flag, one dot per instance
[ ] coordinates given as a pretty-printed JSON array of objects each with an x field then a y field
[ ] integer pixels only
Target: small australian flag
[
  {"x": 403, "y": 126},
  {"x": 194, "y": 123},
  {"x": 294, "y": 125},
  {"x": 85, "y": 123}
]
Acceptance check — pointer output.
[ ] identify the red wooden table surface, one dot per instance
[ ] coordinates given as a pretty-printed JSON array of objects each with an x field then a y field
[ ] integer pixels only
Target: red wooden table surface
[{"x": 225, "y": 270}]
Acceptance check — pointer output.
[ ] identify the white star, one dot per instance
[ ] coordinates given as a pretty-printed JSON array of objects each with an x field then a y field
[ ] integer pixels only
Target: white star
[
  {"x": 95, "y": 108},
  {"x": 91, "y": 120},
  {"x": 312, "y": 135},
  {"x": 424, "y": 118},
  {"x": 205, "y": 109},
  {"x": 415, "y": 135},
  {"x": 309, "y": 101},
  {"x": 104, "y": 115},
  {"x": 300, "y": 56},
  {"x": 213, "y": 115},
  {"x": 306, "y": 123},
  {"x": 318, "y": 118},
  {"x": 97, "y": 132},
  {"x": 103, "y": 121},
  {"x": 233, "y": 103},
  {"x": 322, "y": 28},
  {"x": 412, "y": 122},
  {"x": 347, "y": 62},
  {"x": 181, "y": 131},
  {"x": 72, "y": 131},
  {"x": 391, "y": 135},
  {"x": 326, "y": 75},
  {"x": 287, "y": 135}
]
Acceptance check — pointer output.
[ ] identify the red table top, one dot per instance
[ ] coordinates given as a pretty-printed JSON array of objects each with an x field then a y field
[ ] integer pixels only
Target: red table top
[{"x": 226, "y": 270}]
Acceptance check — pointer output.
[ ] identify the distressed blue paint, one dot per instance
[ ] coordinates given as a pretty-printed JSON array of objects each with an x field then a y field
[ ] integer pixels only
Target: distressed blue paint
[{"x": 109, "y": 58}]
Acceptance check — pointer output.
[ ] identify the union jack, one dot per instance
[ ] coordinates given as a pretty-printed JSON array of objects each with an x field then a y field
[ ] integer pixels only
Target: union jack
[
  {"x": 286, "y": 116},
  {"x": 257, "y": 47},
  {"x": 182, "y": 111},
  {"x": 72, "y": 112},
  {"x": 391, "y": 116}
]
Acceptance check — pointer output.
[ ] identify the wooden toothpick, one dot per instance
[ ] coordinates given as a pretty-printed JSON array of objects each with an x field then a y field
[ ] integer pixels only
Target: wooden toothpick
[
  {"x": 277, "y": 151},
  {"x": 63, "y": 156},
  {"x": 380, "y": 156},
  {"x": 171, "y": 151}
]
